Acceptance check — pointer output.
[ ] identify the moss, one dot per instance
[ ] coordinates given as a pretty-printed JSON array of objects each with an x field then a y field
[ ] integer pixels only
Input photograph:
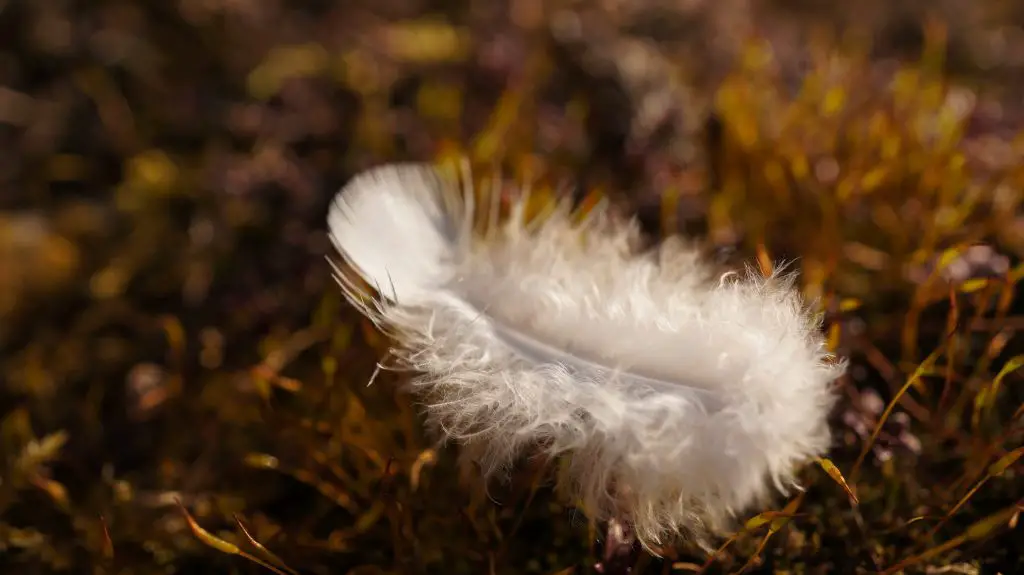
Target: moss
[{"x": 184, "y": 348}]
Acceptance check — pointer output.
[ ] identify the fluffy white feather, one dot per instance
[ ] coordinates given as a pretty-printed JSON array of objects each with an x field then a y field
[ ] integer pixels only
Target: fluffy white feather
[{"x": 679, "y": 397}]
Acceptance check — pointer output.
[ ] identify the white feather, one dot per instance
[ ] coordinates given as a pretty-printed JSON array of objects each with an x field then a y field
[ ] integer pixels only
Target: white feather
[{"x": 680, "y": 398}]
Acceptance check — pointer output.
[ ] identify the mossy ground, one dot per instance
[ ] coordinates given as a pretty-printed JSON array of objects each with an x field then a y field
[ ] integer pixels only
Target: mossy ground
[{"x": 172, "y": 339}]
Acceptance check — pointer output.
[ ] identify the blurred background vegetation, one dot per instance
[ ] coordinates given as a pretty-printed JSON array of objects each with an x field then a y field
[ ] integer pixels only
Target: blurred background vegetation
[{"x": 181, "y": 383}]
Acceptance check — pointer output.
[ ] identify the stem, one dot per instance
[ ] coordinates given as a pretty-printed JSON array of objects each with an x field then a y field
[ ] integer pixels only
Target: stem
[{"x": 621, "y": 549}]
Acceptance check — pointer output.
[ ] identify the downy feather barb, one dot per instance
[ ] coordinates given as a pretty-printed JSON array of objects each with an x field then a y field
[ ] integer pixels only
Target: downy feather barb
[{"x": 679, "y": 396}]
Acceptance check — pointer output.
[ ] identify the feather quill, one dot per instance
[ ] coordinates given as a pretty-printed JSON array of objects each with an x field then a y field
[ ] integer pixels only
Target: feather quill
[{"x": 680, "y": 396}]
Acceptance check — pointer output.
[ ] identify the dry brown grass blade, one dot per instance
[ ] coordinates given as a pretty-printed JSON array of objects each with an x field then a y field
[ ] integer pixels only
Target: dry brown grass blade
[
  {"x": 994, "y": 470},
  {"x": 952, "y": 321},
  {"x": 764, "y": 260},
  {"x": 340, "y": 497},
  {"x": 175, "y": 335},
  {"x": 267, "y": 372},
  {"x": 721, "y": 549},
  {"x": 975, "y": 471},
  {"x": 774, "y": 526},
  {"x": 987, "y": 396},
  {"x": 837, "y": 476},
  {"x": 1018, "y": 414},
  {"x": 921, "y": 300},
  {"x": 339, "y": 473},
  {"x": 774, "y": 519},
  {"x": 762, "y": 519},
  {"x": 219, "y": 544},
  {"x": 925, "y": 367},
  {"x": 979, "y": 530},
  {"x": 262, "y": 549},
  {"x": 425, "y": 458},
  {"x": 108, "y": 543}
]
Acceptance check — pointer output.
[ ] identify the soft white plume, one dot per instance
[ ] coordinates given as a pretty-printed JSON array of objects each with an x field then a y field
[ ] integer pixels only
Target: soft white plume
[{"x": 680, "y": 397}]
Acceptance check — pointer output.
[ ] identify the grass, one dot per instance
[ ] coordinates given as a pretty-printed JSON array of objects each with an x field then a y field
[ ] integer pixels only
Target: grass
[{"x": 185, "y": 390}]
